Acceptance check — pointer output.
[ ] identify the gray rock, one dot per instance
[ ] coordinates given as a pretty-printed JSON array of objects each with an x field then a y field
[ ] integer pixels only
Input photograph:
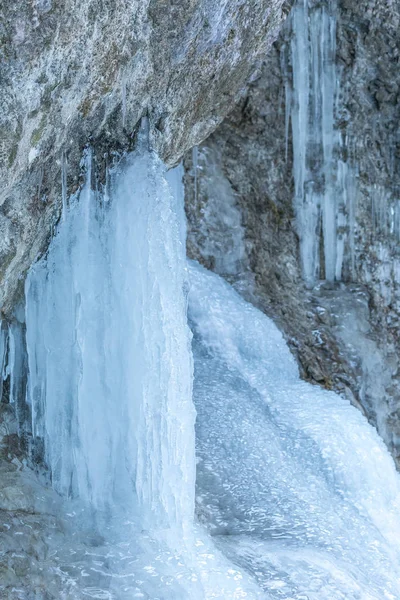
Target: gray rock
[{"x": 74, "y": 72}]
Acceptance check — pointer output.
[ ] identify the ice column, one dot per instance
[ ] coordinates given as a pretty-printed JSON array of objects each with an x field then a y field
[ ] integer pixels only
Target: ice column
[
  {"x": 319, "y": 192},
  {"x": 109, "y": 348},
  {"x": 306, "y": 197},
  {"x": 3, "y": 355}
]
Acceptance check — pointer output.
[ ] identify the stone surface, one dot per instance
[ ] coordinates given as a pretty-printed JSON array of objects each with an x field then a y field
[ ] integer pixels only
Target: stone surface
[{"x": 78, "y": 72}]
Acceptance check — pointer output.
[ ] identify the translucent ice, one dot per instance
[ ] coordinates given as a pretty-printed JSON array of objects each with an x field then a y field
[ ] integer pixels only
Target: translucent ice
[
  {"x": 299, "y": 493},
  {"x": 110, "y": 385},
  {"x": 108, "y": 343},
  {"x": 323, "y": 199}
]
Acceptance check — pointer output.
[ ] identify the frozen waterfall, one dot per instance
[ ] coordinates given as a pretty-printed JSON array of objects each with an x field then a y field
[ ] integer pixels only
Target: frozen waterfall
[
  {"x": 110, "y": 391},
  {"x": 297, "y": 497},
  {"x": 108, "y": 346}
]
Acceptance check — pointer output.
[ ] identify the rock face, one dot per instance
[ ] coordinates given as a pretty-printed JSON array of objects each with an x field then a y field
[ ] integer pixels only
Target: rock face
[
  {"x": 74, "y": 72},
  {"x": 345, "y": 332}
]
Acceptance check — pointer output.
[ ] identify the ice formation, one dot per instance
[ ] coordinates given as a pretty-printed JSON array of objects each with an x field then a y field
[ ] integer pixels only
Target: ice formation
[
  {"x": 13, "y": 369},
  {"x": 295, "y": 485},
  {"x": 324, "y": 192},
  {"x": 110, "y": 390},
  {"x": 219, "y": 232},
  {"x": 299, "y": 494},
  {"x": 3, "y": 351},
  {"x": 108, "y": 346}
]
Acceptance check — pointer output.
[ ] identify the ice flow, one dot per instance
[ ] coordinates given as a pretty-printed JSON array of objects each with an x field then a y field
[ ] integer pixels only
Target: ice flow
[
  {"x": 298, "y": 495},
  {"x": 295, "y": 486},
  {"x": 110, "y": 390}
]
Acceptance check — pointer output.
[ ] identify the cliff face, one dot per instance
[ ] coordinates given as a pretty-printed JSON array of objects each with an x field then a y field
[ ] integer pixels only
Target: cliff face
[
  {"x": 344, "y": 324},
  {"x": 79, "y": 72}
]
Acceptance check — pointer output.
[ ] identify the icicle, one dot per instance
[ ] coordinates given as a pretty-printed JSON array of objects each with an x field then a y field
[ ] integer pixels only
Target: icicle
[
  {"x": 124, "y": 103},
  {"x": 36, "y": 314},
  {"x": 312, "y": 111},
  {"x": 341, "y": 217},
  {"x": 64, "y": 184},
  {"x": 307, "y": 197},
  {"x": 17, "y": 370},
  {"x": 3, "y": 354},
  {"x": 195, "y": 155},
  {"x": 328, "y": 90},
  {"x": 352, "y": 211},
  {"x": 288, "y": 95},
  {"x": 108, "y": 346}
]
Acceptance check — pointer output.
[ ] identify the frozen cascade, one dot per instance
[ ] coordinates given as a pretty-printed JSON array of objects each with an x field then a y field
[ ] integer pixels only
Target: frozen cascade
[
  {"x": 110, "y": 385},
  {"x": 97, "y": 297},
  {"x": 324, "y": 196},
  {"x": 298, "y": 491},
  {"x": 297, "y": 488}
]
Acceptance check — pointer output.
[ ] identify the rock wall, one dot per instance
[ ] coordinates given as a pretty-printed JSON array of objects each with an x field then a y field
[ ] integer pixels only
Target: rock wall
[
  {"x": 345, "y": 333},
  {"x": 75, "y": 72}
]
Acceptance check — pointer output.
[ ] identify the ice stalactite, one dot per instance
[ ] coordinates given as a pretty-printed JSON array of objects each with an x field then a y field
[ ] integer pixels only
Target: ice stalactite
[
  {"x": 18, "y": 367},
  {"x": 195, "y": 160},
  {"x": 3, "y": 355},
  {"x": 108, "y": 344},
  {"x": 323, "y": 203},
  {"x": 13, "y": 369}
]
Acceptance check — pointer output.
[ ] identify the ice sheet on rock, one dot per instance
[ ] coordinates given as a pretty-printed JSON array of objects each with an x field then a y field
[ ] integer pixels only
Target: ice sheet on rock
[
  {"x": 324, "y": 196},
  {"x": 219, "y": 231},
  {"x": 293, "y": 482}
]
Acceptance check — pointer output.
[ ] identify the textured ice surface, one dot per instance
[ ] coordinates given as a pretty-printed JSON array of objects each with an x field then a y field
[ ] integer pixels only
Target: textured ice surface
[
  {"x": 299, "y": 493},
  {"x": 218, "y": 230},
  {"x": 108, "y": 344},
  {"x": 295, "y": 485},
  {"x": 110, "y": 384}
]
